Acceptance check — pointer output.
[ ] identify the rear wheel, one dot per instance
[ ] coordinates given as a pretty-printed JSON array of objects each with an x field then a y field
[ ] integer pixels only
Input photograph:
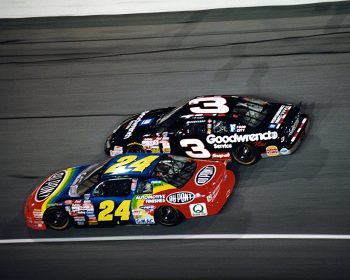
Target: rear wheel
[
  {"x": 168, "y": 216},
  {"x": 56, "y": 218},
  {"x": 135, "y": 148},
  {"x": 245, "y": 154}
]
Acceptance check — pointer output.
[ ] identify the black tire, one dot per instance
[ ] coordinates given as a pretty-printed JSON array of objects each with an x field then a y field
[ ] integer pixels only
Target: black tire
[
  {"x": 56, "y": 218},
  {"x": 245, "y": 154},
  {"x": 135, "y": 148},
  {"x": 168, "y": 216}
]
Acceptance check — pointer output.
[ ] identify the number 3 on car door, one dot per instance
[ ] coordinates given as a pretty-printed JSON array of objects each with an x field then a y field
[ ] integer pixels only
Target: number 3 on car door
[{"x": 196, "y": 148}]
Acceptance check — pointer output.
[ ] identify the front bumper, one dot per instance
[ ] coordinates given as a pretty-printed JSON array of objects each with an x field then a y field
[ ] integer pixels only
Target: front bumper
[{"x": 34, "y": 218}]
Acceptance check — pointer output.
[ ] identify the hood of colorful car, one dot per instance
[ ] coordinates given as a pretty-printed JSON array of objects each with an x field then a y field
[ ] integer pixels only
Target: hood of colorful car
[{"x": 53, "y": 188}]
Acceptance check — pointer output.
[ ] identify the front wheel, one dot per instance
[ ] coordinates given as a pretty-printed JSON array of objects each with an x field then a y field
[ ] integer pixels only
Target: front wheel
[
  {"x": 245, "y": 154},
  {"x": 168, "y": 216},
  {"x": 56, "y": 218},
  {"x": 135, "y": 148}
]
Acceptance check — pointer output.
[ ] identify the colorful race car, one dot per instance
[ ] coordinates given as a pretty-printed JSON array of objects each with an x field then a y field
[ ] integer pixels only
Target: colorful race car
[
  {"x": 214, "y": 127},
  {"x": 139, "y": 188}
]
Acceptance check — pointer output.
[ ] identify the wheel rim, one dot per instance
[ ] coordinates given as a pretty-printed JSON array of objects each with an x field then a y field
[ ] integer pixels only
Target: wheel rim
[
  {"x": 168, "y": 215},
  {"x": 57, "y": 218},
  {"x": 245, "y": 153},
  {"x": 135, "y": 149}
]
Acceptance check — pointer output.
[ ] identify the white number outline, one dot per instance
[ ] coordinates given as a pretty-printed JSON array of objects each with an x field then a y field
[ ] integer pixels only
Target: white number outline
[
  {"x": 219, "y": 104},
  {"x": 197, "y": 147}
]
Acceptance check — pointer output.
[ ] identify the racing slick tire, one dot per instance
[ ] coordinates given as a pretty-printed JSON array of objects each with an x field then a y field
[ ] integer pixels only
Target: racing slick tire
[
  {"x": 56, "y": 218},
  {"x": 245, "y": 154},
  {"x": 168, "y": 216},
  {"x": 135, "y": 148}
]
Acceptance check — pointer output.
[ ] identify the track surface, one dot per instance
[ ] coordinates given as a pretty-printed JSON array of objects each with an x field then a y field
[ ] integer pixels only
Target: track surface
[{"x": 63, "y": 89}]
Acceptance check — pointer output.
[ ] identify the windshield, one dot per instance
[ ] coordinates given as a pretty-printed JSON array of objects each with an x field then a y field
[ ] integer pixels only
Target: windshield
[
  {"x": 165, "y": 121},
  {"x": 175, "y": 170},
  {"x": 87, "y": 178},
  {"x": 168, "y": 115}
]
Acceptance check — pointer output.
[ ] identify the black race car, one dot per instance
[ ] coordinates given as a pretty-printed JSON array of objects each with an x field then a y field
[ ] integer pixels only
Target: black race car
[{"x": 213, "y": 127}]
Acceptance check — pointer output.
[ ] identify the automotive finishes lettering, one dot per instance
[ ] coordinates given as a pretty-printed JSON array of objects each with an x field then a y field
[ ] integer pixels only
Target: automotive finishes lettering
[{"x": 49, "y": 186}]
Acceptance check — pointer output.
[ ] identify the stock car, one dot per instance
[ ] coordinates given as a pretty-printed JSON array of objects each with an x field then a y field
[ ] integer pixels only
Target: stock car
[
  {"x": 214, "y": 127},
  {"x": 136, "y": 188}
]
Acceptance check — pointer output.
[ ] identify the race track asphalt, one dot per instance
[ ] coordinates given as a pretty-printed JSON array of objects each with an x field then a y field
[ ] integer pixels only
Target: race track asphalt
[{"x": 66, "y": 82}]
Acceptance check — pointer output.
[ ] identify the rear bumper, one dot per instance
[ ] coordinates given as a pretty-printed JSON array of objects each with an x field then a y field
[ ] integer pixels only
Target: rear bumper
[
  {"x": 291, "y": 144},
  {"x": 223, "y": 193}
]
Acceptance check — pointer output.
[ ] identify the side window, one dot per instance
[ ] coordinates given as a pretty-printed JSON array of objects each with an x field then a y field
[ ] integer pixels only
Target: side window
[
  {"x": 144, "y": 187},
  {"x": 195, "y": 127},
  {"x": 114, "y": 187},
  {"x": 220, "y": 127}
]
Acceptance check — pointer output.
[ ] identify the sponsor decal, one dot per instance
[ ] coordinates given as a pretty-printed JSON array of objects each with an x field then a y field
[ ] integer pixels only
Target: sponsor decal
[
  {"x": 117, "y": 150},
  {"x": 132, "y": 125},
  {"x": 233, "y": 128},
  {"x": 220, "y": 155},
  {"x": 150, "y": 199},
  {"x": 205, "y": 175},
  {"x": 280, "y": 115},
  {"x": 214, "y": 194},
  {"x": 143, "y": 215},
  {"x": 146, "y": 122},
  {"x": 221, "y": 142},
  {"x": 147, "y": 207},
  {"x": 284, "y": 151},
  {"x": 294, "y": 126},
  {"x": 81, "y": 207},
  {"x": 37, "y": 214},
  {"x": 154, "y": 144},
  {"x": 199, "y": 209},
  {"x": 49, "y": 186},
  {"x": 180, "y": 197},
  {"x": 260, "y": 144},
  {"x": 145, "y": 221},
  {"x": 196, "y": 121},
  {"x": 79, "y": 219},
  {"x": 272, "y": 125},
  {"x": 237, "y": 128},
  {"x": 271, "y": 151}
]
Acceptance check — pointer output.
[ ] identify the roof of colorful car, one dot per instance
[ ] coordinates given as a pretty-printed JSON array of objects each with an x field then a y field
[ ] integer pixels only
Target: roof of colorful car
[{"x": 138, "y": 164}]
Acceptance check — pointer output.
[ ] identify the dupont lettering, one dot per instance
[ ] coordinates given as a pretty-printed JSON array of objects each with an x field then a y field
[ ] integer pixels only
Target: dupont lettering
[{"x": 180, "y": 197}]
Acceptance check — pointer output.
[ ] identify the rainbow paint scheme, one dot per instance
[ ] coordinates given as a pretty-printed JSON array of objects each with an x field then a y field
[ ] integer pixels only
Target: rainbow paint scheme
[{"x": 131, "y": 188}]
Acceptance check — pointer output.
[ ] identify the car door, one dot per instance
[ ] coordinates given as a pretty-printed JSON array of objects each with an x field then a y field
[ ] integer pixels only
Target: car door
[
  {"x": 191, "y": 138},
  {"x": 112, "y": 199}
]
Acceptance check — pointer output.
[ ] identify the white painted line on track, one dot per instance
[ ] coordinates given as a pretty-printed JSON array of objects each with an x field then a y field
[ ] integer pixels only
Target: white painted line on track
[{"x": 179, "y": 237}]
